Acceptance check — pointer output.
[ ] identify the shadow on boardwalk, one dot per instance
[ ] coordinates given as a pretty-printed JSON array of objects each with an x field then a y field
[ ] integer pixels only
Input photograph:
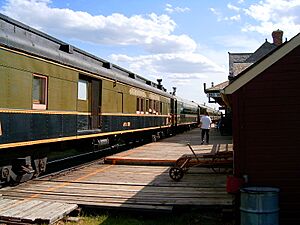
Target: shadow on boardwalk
[
  {"x": 200, "y": 187},
  {"x": 194, "y": 137}
]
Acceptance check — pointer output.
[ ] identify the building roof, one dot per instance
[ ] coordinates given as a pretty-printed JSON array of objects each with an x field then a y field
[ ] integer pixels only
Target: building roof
[
  {"x": 239, "y": 67},
  {"x": 264, "y": 49},
  {"x": 237, "y": 58},
  {"x": 238, "y": 62},
  {"x": 217, "y": 87},
  {"x": 255, "y": 69}
]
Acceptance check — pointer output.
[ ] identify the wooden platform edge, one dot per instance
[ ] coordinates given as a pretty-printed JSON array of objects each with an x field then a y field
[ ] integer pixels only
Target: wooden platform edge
[
  {"x": 68, "y": 210},
  {"x": 141, "y": 162}
]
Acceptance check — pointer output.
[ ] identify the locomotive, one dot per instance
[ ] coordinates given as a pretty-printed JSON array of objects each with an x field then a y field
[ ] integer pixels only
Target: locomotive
[{"x": 53, "y": 94}]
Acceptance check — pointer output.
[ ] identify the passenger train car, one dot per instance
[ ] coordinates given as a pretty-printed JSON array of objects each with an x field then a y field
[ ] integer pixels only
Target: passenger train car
[{"x": 53, "y": 94}]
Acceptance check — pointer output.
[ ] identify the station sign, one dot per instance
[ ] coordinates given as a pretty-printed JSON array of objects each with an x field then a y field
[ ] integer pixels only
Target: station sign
[{"x": 214, "y": 95}]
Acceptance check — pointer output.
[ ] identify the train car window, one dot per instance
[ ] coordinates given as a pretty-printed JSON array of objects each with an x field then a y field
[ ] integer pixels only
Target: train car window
[
  {"x": 142, "y": 106},
  {"x": 39, "y": 92},
  {"x": 160, "y": 108},
  {"x": 82, "y": 90},
  {"x": 150, "y": 106},
  {"x": 154, "y": 107},
  {"x": 147, "y": 106},
  {"x": 157, "y": 107},
  {"x": 137, "y": 105}
]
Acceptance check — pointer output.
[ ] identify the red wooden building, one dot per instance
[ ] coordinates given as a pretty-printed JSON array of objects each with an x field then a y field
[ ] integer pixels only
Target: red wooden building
[{"x": 265, "y": 103}]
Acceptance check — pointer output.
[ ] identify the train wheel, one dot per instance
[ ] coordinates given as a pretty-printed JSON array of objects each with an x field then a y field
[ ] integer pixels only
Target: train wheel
[
  {"x": 153, "y": 138},
  {"x": 40, "y": 166},
  {"x": 176, "y": 173}
]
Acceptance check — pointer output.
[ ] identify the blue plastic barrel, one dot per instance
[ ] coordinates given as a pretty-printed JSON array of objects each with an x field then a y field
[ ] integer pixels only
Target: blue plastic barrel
[{"x": 259, "y": 206}]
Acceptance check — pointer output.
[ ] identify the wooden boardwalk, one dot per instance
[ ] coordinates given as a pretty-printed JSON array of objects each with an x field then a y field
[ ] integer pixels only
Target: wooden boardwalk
[
  {"x": 167, "y": 151},
  {"x": 141, "y": 187}
]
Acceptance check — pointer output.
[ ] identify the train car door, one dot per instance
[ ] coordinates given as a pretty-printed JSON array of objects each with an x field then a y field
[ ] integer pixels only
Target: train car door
[
  {"x": 96, "y": 104},
  {"x": 174, "y": 111},
  {"x": 198, "y": 114}
]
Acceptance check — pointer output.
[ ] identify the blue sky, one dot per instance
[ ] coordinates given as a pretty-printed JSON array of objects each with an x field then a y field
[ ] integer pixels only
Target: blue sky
[{"x": 184, "y": 42}]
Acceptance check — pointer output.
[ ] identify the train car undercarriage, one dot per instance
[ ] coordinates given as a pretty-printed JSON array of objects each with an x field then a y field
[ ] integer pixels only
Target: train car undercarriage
[{"x": 25, "y": 163}]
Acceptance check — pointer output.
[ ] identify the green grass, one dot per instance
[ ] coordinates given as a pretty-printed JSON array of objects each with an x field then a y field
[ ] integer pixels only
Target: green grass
[{"x": 199, "y": 217}]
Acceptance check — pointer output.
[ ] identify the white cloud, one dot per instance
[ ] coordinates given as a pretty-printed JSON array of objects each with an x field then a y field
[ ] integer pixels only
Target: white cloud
[
  {"x": 115, "y": 29},
  {"x": 274, "y": 14},
  {"x": 170, "y": 44},
  {"x": 152, "y": 32},
  {"x": 238, "y": 43},
  {"x": 175, "y": 67},
  {"x": 182, "y": 63},
  {"x": 170, "y": 9},
  {"x": 233, "y": 18},
  {"x": 217, "y": 13},
  {"x": 165, "y": 54},
  {"x": 232, "y": 7},
  {"x": 265, "y": 16},
  {"x": 220, "y": 16}
]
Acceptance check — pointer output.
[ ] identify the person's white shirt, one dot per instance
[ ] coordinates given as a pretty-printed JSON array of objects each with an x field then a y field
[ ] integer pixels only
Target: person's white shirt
[{"x": 205, "y": 122}]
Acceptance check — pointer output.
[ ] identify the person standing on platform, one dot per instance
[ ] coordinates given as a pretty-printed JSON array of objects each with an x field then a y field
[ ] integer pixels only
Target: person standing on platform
[{"x": 205, "y": 126}]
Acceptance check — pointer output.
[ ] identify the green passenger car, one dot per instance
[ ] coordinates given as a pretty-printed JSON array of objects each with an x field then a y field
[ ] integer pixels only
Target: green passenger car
[{"x": 52, "y": 92}]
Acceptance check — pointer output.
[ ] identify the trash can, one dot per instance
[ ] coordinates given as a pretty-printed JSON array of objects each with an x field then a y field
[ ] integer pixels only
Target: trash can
[
  {"x": 233, "y": 184},
  {"x": 259, "y": 206}
]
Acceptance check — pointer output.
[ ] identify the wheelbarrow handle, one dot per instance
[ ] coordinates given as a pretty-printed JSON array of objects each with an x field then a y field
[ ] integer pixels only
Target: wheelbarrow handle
[{"x": 188, "y": 144}]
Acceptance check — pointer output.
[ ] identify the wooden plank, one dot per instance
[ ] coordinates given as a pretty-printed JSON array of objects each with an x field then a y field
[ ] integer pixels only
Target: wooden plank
[
  {"x": 125, "y": 195},
  {"x": 81, "y": 187},
  {"x": 94, "y": 200},
  {"x": 53, "y": 212},
  {"x": 106, "y": 205},
  {"x": 21, "y": 207},
  {"x": 33, "y": 210}
]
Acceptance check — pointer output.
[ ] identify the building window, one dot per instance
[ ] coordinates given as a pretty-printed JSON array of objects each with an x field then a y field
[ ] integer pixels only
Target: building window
[
  {"x": 39, "y": 92},
  {"x": 82, "y": 90}
]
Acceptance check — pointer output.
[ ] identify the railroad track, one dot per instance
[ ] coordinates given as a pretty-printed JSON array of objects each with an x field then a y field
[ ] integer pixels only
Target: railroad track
[
  {"x": 63, "y": 165},
  {"x": 94, "y": 156}
]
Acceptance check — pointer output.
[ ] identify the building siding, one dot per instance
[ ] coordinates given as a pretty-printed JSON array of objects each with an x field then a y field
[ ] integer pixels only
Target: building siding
[{"x": 266, "y": 122}]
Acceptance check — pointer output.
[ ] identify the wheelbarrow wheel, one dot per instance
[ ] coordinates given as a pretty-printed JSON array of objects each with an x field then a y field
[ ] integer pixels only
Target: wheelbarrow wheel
[{"x": 176, "y": 173}]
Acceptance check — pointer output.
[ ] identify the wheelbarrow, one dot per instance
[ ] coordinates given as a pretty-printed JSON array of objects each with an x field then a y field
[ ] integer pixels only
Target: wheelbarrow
[{"x": 218, "y": 161}]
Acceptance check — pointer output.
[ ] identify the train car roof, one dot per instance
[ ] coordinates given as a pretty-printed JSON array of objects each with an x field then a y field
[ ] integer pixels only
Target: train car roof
[
  {"x": 211, "y": 110},
  {"x": 18, "y": 36},
  {"x": 185, "y": 101}
]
